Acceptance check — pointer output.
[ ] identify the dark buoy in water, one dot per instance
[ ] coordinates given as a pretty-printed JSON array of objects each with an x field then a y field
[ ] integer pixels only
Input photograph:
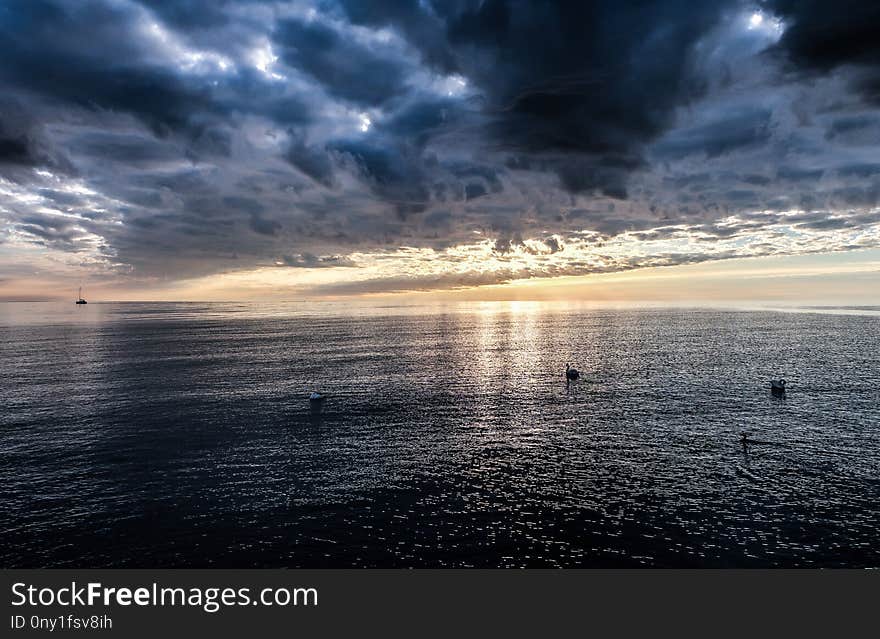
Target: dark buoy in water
[
  {"x": 571, "y": 373},
  {"x": 777, "y": 386},
  {"x": 316, "y": 403}
]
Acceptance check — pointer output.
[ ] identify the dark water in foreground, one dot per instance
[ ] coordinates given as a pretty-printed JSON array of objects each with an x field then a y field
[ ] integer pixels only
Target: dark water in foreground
[{"x": 181, "y": 435}]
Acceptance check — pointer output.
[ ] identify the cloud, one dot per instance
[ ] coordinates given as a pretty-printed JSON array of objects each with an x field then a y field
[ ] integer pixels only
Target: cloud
[
  {"x": 315, "y": 163},
  {"x": 219, "y": 136},
  {"x": 822, "y": 36},
  {"x": 735, "y": 131},
  {"x": 307, "y": 260},
  {"x": 346, "y": 68},
  {"x": 52, "y": 231},
  {"x": 394, "y": 174},
  {"x": 420, "y": 283}
]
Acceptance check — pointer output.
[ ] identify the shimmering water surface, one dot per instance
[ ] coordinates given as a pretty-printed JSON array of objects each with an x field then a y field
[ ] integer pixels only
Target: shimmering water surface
[{"x": 182, "y": 435}]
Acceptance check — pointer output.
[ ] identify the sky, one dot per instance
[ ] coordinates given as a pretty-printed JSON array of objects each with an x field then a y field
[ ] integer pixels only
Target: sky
[{"x": 655, "y": 150}]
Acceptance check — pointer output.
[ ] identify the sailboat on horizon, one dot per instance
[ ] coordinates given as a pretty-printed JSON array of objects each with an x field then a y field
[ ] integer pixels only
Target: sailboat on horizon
[{"x": 80, "y": 299}]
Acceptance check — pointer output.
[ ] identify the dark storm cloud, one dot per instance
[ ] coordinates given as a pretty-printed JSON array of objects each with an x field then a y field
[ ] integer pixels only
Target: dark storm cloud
[
  {"x": 194, "y": 14},
  {"x": 604, "y": 81},
  {"x": 17, "y": 150},
  {"x": 42, "y": 45},
  {"x": 395, "y": 174},
  {"x": 194, "y": 136},
  {"x": 735, "y": 131},
  {"x": 797, "y": 174},
  {"x": 23, "y": 141},
  {"x": 863, "y": 170},
  {"x": 125, "y": 148},
  {"x": 858, "y": 124},
  {"x": 822, "y": 35},
  {"x": 420, "y": 23},
  {"x": 102, "y": 56},
  {"x": 263, "y": 226},
  {"x": 422, "y": 118},
  {"x": 345, "y": 68},
  {"x": 584, "y": 84}
]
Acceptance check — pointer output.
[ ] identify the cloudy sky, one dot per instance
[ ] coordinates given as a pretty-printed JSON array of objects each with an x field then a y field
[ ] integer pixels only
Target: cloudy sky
[{"x": 209, "y": 148}]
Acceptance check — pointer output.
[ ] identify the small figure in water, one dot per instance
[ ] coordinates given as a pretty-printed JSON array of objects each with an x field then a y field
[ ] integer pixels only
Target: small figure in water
[
  {"x": 571, "y": 373},
  {"x": 745, "y": 443}
]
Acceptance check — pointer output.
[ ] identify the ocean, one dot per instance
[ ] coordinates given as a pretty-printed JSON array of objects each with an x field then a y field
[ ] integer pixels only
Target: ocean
[{"x": 182, "y": 435}]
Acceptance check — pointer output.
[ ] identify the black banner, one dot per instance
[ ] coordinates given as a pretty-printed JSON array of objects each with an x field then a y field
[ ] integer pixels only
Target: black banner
[{"x": 269, "y": 603}]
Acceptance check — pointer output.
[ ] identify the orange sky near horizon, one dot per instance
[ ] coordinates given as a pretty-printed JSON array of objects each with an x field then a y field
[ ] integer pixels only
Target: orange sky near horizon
[{"x": 838, "y": 278}]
